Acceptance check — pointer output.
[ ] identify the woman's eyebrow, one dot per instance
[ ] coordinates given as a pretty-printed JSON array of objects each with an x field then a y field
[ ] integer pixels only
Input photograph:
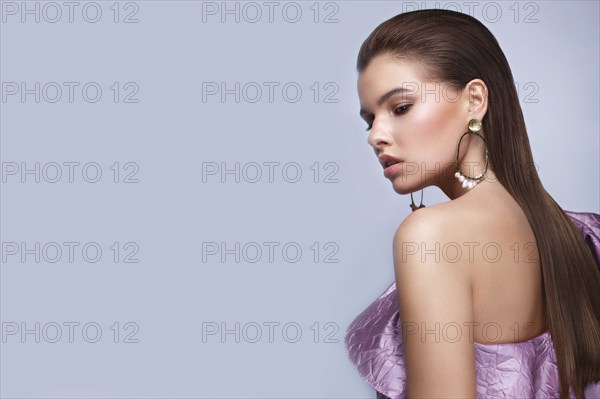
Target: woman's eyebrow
[
  {"x": 385, "y": 97},
  {"x": 391, "y": 93}
]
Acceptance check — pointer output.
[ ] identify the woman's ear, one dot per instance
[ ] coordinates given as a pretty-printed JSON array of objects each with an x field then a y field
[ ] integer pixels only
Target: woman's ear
[{"x": 478, "y": 98}]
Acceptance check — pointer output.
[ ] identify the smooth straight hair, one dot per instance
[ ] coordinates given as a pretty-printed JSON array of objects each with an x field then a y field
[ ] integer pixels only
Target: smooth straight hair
[{"x": 455, "y": 48}]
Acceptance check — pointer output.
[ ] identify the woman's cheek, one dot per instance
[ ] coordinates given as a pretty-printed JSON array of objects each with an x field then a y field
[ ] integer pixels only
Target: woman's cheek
[{"x": 425, "y": 120}]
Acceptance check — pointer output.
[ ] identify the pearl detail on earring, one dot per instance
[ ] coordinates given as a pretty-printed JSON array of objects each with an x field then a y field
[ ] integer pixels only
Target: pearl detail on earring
[{"x": 466, "y": 182}]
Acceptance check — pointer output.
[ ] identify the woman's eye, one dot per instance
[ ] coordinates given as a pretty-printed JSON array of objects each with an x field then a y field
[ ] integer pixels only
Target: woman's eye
[
  {"x": 402, "y": 109},
  {"x": 397, "y": 111}
]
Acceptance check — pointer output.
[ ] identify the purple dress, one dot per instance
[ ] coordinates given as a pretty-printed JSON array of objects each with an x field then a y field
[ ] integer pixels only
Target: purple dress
[{"x": 525, "y": 369}]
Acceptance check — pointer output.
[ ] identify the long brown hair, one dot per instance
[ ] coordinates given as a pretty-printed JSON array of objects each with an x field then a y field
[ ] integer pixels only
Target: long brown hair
[{"x": 456, "y": 48}]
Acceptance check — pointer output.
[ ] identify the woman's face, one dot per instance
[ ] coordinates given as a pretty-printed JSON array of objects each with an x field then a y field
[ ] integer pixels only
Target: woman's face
[{"x": 415, "y": 121}]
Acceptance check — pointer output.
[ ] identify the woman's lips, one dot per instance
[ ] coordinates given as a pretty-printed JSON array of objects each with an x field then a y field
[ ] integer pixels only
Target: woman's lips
[{"x": 392, "y": 169}]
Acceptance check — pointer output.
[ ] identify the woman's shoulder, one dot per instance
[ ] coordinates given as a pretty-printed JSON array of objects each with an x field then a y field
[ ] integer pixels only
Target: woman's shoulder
[
  {"x": 468, "y": 233},
  {"x": 446, "y": 221},
  {"x": 491, "y": 213}
]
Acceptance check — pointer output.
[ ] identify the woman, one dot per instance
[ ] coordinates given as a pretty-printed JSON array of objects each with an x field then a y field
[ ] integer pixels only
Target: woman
[{"x": 498, "y": 289}]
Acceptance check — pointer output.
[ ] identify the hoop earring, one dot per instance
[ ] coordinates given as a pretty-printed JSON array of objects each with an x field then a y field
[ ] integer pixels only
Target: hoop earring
[
  {"x": 469, "y": 181},
  {"x": 413, "y": 206}
]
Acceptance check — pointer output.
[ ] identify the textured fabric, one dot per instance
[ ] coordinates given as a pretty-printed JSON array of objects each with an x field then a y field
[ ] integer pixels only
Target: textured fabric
[{"x": 525, "y": 369}]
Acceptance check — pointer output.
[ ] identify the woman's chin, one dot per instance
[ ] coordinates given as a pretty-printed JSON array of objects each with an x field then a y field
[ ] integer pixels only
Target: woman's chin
[{"x": 402, "y": 189}]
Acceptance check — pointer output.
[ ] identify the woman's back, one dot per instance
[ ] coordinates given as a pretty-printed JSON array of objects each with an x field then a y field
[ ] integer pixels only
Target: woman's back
[{"x": 505, "y": 269}]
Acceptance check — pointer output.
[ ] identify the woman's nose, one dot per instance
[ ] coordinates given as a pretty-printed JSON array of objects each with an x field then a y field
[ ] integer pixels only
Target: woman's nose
[{"x": 378, "y": 135}]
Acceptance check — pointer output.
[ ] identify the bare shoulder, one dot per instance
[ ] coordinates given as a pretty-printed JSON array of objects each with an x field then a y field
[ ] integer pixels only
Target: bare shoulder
[
  {"x": 442, "y": 222},
  {"x": 429, "y": 243},
  {"x": 462, "y": 220}
]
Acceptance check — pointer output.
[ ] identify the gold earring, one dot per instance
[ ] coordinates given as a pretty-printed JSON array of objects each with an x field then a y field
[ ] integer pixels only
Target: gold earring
[
  {"x": 413, "y": 206},
  {"x": 469, "y": 181}
]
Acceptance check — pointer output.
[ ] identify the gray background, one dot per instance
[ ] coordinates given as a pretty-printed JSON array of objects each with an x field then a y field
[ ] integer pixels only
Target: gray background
[{"x": 170, "y": 134}]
